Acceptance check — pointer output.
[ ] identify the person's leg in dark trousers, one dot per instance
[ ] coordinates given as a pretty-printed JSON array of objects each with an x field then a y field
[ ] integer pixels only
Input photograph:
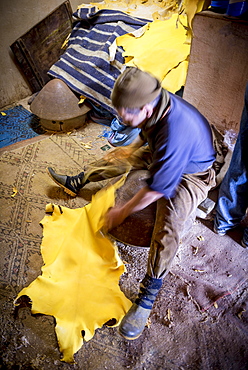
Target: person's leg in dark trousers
[{"x": 233, "y": 193}]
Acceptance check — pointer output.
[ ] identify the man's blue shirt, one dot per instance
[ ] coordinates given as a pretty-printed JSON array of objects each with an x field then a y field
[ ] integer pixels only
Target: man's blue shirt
[{"x": 181, "y": 143}]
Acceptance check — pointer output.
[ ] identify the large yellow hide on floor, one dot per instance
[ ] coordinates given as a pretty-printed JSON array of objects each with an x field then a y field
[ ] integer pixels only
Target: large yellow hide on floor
[{"x": 79, "y": 281}]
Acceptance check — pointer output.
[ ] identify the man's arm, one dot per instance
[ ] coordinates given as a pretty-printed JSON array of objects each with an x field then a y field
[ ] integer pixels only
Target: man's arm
[{"x": 141, "y": 200}]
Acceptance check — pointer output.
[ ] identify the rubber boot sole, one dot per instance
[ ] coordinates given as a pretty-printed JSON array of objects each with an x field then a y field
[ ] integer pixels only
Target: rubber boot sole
[
  {"x": 134, "y": 322},
  {"x": 128, "y": 338},
  {"x": 243, "y": 244}
]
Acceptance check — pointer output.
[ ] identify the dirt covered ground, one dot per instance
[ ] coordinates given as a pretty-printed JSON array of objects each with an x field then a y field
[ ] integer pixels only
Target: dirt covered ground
[{"x": 200, "y": 317}]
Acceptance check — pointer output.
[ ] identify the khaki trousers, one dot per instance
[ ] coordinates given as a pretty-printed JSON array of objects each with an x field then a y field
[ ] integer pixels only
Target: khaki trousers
[{"x": 171, "y": 214}]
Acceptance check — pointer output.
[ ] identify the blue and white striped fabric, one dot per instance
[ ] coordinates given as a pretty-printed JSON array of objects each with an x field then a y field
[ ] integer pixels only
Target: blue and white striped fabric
[{"x": 86, "y": 66}]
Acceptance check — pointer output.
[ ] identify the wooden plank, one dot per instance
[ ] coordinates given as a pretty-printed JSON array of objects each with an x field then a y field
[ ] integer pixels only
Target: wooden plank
[{"x": 39, "y": 48}]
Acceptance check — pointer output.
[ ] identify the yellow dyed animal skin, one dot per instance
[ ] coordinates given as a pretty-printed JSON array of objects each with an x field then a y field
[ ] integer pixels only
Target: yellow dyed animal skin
[
  {"x": 79, "y": 284},
  {"x": 162, "y": 50},
  {"x": 164, "y": 47}
]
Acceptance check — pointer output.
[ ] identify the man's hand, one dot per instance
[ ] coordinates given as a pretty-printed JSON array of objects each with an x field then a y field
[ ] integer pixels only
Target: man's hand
[
  {"x": 113, "y": 218},
  {"x": 142, "y": 199}
]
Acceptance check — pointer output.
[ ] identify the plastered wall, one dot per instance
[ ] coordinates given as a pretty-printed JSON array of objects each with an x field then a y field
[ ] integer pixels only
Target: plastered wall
[
  {"x": 218, "y": 69},
  {"x": 16, "y": 18}
]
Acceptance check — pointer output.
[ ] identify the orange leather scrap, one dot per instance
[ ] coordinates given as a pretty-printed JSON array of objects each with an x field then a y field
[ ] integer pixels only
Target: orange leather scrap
[{"x": 79, "y": 284}]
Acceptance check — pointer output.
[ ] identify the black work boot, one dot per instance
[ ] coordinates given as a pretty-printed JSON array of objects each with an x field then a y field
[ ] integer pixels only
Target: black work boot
[
  {"x": 135, "y": 319},
  {"x": 70, "y": 184}
]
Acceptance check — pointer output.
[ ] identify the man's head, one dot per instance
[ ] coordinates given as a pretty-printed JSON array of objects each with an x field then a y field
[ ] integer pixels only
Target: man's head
[{"x": 134, "y": 96}]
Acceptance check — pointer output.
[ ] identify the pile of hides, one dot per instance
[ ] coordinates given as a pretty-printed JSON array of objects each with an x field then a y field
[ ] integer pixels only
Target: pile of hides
[
  {"x": 94, "y": 57},
  {"x": 161, "y": 50}
]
